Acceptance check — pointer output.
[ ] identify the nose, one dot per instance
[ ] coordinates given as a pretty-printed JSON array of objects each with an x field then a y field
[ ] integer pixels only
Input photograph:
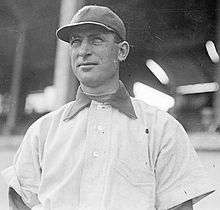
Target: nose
[{"x": 84, "y": 49}]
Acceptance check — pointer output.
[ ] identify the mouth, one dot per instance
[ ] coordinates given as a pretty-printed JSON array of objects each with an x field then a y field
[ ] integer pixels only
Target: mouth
[{"x": 87, "y": 64}]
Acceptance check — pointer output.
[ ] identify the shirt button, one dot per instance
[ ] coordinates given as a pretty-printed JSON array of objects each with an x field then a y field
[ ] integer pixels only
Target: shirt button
[
  {"x": 95, "y": 154},
  {"x": 100, "y": 129},
  {"x": 101, "y": 106}
]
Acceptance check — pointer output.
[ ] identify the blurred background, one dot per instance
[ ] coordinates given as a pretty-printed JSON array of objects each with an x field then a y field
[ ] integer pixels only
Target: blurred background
[{"x": 173, "y": 64}]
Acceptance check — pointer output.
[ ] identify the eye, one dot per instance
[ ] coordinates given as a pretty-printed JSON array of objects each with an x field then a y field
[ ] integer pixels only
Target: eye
[
  {"x": 97, "y": 40},
  {"x": 75, "y": 41}
]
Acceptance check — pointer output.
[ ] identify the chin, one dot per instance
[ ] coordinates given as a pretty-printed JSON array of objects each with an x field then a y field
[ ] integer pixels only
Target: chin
[
  {"x": 91, "y": 82},
  {"x": 95, "y": 80}
]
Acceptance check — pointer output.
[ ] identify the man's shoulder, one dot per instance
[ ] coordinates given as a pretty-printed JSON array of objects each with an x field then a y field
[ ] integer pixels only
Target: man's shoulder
[
  {"x": 151, "y": 113},
  {"x": 143, "y": 107},
  {"x": 53, "y": 116}
]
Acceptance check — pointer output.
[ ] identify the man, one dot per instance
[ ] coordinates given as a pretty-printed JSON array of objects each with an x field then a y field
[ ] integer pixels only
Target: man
[{"x": 105, "y": 150}]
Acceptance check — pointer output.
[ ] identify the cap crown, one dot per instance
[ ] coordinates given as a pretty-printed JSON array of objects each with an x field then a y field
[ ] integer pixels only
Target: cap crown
[{"x": 97, "y": 15}]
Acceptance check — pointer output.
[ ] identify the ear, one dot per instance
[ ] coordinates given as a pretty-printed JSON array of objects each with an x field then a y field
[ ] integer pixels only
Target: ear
[{"x": 123, "y": 50}]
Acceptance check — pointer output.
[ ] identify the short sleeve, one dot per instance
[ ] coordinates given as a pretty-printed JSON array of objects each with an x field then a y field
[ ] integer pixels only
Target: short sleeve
[
  {"x": 179, "y": 173},
  {"x": 23, "y": 177}
]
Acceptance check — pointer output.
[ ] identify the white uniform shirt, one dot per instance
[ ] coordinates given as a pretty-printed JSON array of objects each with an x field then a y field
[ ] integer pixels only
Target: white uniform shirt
[{"x": 93, "y": 156}]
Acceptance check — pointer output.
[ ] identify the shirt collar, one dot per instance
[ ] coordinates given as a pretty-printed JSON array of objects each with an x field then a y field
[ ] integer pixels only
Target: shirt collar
[{"x": 119, "y": 100}]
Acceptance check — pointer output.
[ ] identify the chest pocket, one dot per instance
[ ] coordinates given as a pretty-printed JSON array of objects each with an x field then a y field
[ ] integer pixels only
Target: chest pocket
[
  {"x": 132, "y": 160},
  {"x": 136, "y": 174}
]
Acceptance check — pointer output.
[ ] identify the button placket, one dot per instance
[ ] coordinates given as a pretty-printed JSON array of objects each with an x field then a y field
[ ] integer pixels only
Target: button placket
[
  {"x": 97, "y": 150},
  {"x": 94, "y": 170},
  {"x": 102, "y": 107}
]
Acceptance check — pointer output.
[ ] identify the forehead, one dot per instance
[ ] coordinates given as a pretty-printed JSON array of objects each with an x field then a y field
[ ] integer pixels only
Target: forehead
[{"x": 89, "y": 29}]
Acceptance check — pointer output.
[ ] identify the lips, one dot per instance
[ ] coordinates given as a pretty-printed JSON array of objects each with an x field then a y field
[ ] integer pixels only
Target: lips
[{"x": 87, "y": 64}]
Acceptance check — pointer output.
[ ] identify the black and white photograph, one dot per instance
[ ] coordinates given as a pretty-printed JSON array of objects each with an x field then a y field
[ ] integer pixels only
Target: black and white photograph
[{"x": 109, "y": 105}]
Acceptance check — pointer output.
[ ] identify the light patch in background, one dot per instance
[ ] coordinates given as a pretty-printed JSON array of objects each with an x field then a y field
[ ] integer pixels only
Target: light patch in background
[
  {"x": 1, "y": 103},
  {"x": 41, "y": 102},
  {"x": 198, "y": 88},
  {"x": 157, "y": 70},
  {"x": 153, "y": 97},
  {"x": 212, "y": 52}
]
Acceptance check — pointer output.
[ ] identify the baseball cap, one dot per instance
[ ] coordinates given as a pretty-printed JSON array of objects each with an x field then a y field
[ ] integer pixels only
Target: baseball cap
[{"x": 96, "y": 15}]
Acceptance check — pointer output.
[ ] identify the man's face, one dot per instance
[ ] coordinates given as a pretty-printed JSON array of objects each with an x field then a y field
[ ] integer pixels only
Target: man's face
[{"x": 94, "y": 56}]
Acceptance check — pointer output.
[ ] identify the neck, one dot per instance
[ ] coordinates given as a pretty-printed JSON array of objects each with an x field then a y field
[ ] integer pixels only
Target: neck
[{"x": 101, "y": 90}]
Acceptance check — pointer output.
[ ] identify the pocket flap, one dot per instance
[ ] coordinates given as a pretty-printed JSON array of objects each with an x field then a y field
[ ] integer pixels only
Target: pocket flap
[{"x": 135, "y": 175}]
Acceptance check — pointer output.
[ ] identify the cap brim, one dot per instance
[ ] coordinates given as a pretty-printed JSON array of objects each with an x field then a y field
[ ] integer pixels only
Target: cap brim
[{"x": 64, "y": 32}]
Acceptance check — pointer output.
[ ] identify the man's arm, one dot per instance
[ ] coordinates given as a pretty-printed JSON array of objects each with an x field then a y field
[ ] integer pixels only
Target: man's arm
[
  {"x": 184, "y": 206},
  {"x": 23, "y": 177},
  {"x": 15, "y": 201},
  {"x": 180, "y": 176}
]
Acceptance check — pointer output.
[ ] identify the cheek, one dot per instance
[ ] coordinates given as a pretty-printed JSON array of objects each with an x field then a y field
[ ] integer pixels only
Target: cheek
[
  {"x": 73, "y": 58},
  {"x": 110, "y": 55},
  {"x": 114, "y": 54},
  {"x": 73, "y": 63}
]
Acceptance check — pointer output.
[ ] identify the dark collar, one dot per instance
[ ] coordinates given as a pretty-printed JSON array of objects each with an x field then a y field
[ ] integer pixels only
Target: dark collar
[{"x": 119, "y": 100}]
